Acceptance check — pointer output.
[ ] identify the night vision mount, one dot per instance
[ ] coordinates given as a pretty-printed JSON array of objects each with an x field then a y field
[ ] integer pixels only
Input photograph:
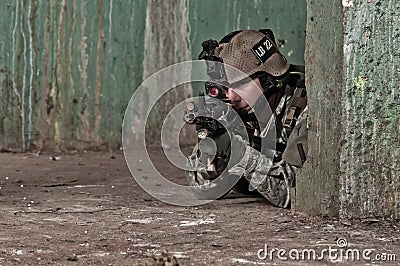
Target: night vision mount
[{"x": 215, "y": 66}]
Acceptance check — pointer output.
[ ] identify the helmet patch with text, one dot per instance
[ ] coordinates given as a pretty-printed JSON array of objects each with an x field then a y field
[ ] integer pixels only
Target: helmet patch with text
[{"x": 264, "y": 49}]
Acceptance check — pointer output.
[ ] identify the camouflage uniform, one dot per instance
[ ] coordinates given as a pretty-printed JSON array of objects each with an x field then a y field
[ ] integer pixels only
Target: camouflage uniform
[
  {"x": 276, "y": 177},
  {"x": 271, "y": 172}
]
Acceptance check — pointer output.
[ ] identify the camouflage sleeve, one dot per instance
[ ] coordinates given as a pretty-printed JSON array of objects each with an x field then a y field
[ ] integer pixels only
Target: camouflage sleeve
[
  {"x": 273, "y": 177},
  {"x": 271, "y": 172},
  {"x": 260, "y": 171}
]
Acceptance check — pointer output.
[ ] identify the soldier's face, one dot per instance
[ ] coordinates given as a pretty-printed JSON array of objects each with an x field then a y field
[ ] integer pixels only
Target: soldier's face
[{"x": 242, "y": 98}]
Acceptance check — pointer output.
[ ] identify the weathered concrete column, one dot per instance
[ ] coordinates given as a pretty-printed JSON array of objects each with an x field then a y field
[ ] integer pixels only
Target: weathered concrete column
[{"x": 353, "y": 78}]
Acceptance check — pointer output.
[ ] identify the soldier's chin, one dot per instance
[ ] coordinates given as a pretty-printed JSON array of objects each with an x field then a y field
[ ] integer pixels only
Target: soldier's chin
[{"x": 244, "y": 110}]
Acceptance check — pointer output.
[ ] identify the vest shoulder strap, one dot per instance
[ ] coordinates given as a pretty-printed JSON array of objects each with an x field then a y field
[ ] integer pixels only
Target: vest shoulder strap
[{"x": 297, "y": 105}]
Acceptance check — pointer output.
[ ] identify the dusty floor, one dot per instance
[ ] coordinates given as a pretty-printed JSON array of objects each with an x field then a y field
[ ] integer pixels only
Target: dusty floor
[{"x": 85, "y": 208}]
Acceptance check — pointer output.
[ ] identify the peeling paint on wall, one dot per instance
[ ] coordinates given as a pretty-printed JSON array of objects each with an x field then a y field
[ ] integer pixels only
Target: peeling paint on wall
[
  {"x": 359, "y": 83},
  {"x": 68, "y": 68},
  {"x": 65, "y": 74},
  {"x": 164, "y": 47},
  {"x": 347, "y": 3}
]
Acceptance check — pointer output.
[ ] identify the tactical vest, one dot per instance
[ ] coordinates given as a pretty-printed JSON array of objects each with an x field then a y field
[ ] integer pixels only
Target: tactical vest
[{"x": 295, "y": 126}]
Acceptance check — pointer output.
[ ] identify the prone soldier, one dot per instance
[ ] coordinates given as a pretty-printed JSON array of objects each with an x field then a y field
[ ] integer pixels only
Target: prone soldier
[{"x": 259, "y": 132}]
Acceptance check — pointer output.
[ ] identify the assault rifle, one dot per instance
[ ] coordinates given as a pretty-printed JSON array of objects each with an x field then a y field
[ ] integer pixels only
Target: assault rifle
[{"x": 203, "y": 115}]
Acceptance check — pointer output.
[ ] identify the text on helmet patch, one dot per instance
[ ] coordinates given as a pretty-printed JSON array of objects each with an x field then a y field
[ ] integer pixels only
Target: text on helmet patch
[{"x": 263, "y": 49}]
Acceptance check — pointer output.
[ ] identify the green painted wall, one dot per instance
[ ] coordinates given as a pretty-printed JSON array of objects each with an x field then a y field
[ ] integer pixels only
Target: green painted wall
[
  {"x": 210, "y": 19},
  {"x": 69, "y": 67},
  {"x": 67, "y": 70},
  {"x": 370, "y": 155},
  {"x": 353, "y": 78}
]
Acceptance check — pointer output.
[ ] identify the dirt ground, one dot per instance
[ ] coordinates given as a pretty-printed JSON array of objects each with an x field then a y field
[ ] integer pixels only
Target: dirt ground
[{"x": 86, "y": 209}]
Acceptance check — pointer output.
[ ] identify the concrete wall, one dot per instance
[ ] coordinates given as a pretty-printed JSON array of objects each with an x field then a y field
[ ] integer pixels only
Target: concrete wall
[
  {"x": 370, "y": 155},
  {"x": 69, "y": 67},
  {"x": 317, "y": 185},
  {"x": 353, "y": 78}
]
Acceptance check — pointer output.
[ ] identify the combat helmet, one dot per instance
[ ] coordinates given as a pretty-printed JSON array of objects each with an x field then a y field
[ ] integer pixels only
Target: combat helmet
[{"x": 250, "y": 51}]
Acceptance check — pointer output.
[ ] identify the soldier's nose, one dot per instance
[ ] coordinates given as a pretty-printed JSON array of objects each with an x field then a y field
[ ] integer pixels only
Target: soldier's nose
[{"x": 233, "y": 96}]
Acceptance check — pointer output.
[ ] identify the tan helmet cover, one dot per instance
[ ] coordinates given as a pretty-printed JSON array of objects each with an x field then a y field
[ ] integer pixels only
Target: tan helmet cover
[{"x": 239, "y": 54}]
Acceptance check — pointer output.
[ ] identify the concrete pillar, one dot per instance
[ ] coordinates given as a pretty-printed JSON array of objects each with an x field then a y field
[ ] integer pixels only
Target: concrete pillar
[{"x": 353, "y": 74}]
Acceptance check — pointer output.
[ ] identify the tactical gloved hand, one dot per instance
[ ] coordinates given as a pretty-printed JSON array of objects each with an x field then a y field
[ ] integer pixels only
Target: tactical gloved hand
[
  {"x": 210, "y": 163},
  {"x": 214, "y": 155},
  {"x": 231, "y": 147}
]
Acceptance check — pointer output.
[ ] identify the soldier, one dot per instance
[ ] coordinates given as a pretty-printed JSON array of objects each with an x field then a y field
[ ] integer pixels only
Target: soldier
[{"x": 265, "y": 74}]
